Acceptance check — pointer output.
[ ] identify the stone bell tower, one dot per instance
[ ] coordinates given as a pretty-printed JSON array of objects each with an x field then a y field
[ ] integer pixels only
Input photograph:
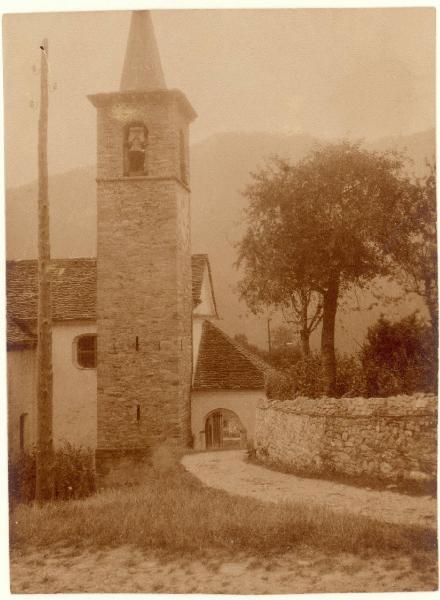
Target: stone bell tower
[{"x": 144, "y": 302}]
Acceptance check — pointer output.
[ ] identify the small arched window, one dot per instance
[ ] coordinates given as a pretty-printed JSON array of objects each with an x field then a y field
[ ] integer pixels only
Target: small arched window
[
  {"x": 85, "y": 351},
  {"x": 182, "y": 154},
  {"x": 135, "y": 149}
]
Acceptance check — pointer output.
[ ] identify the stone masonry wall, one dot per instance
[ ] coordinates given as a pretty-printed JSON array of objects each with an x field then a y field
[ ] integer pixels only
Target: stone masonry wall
[
  {"x": 144, "y": 282},
  {"x": 144, "y": 316},
  {"x": 383, "y": 438}
]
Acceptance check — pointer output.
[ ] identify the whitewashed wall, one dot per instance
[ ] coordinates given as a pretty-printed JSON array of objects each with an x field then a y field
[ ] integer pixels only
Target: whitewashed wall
[
  {"x": 74, "y": 391},
  {"x": 21, "y": 397},
  {"x": 74, "y": 388}
]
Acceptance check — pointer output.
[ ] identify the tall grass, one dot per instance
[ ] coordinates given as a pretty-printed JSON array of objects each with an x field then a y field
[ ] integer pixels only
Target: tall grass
[
  {"x": 173, "y": 511},
  {"x": 72, "y": 472}
]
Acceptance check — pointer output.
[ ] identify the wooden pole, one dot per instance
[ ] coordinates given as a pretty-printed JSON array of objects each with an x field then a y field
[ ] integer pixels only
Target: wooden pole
[
  {"x": 269, "y": 343},
  {"x": 44, "y": 479}
]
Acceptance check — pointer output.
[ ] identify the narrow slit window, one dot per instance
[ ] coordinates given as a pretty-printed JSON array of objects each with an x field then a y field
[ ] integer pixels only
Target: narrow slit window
[
  {"x": 138, "y": 412},
  {"x": 23, "y": 432}
]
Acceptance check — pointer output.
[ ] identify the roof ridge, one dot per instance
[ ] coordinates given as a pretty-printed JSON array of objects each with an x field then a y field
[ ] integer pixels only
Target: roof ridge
[{"x": 211, "y": 283}]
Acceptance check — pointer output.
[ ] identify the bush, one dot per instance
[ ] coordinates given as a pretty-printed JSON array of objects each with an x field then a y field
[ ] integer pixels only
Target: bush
[
  {"x": 279, "y": 385},
  {"x": 73, "y": 474},
  {"x": 305, "y": 378},
  {"x": 21, "y": 478},
  {"x": 399, "y": 357},
  {"x": 396, "y": 358},
  {"x": 350, "y": 377}
]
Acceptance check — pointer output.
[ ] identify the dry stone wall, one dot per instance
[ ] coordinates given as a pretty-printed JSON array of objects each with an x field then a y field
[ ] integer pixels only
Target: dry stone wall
[{"x": 383, "y": 438}]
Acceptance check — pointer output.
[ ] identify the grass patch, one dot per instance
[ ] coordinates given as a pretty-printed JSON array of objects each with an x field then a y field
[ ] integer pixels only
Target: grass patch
[{"x": 174, "y": 512}]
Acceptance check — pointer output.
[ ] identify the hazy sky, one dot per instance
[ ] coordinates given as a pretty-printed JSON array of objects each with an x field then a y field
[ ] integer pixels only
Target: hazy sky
[{"x": 328, "y": 72}]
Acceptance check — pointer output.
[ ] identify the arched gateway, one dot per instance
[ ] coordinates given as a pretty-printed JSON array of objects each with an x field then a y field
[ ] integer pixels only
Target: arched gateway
[
  {"x": 228, "y": 384},
  {"x": 223, "y": 429}
]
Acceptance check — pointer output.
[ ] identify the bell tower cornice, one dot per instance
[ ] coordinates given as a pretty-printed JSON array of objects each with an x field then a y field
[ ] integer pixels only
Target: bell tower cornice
[{"x": 139, "y": 98}]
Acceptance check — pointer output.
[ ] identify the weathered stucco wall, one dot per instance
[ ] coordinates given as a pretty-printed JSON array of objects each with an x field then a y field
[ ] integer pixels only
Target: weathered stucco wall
[
  {"x": 74, "y": 388},
  {"x": 21, "y": 398},
  {"x": 74, "y": 391},
  {"x": 385, "y": 438}
]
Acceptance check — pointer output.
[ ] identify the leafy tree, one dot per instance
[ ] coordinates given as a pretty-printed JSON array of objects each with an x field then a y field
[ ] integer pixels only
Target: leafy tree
[
  {"x": 242, "y": 340},
  {"x": 416, "y": 255},
  {"x": 304, "y": 378},
  {"x": 320, "y": 227},
  {"x": 283, "y": 352},
  {"x": 399, "y": 357},
  {"x": 265, "y": 284}
]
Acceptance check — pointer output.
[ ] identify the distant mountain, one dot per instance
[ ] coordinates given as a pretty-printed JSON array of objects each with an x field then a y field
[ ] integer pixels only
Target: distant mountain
[{"x": 220, "y": 167}]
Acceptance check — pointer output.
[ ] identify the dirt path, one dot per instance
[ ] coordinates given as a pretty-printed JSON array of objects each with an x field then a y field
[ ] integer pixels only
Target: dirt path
[
  {"x": 125, "y": 570},
  {"x": 228, "y": 470}
]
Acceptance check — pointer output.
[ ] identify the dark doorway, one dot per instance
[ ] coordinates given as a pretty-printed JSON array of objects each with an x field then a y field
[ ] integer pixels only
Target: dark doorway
[{"x": 223, "y": 429}]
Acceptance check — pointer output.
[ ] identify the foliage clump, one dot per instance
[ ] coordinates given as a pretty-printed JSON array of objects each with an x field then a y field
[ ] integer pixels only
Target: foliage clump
[
  {"x": 396, "y": 358},
  {"x": 336, "y": 220},
  {"x": 305, "y": 378},
  {"x": 72, "y": 472},
  {"x": 400, "y": 357}
]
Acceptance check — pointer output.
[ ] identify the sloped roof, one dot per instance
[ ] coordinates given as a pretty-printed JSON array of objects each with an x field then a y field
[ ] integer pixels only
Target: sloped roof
[
  {"x": 224, "y": 364},
  {"x": 199, "y": 262},
  {"x": 73, "y": 289},
  {"x": 73, "y": 292}
]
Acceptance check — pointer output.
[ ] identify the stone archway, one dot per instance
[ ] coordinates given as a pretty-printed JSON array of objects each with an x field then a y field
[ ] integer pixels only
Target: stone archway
[
  {"x": 223, "y": 429},
  {"x": 242, "y": 403}
]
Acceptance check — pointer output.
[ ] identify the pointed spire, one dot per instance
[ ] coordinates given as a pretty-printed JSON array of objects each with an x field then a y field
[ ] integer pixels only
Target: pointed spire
[{"x": 142, "y": 67}]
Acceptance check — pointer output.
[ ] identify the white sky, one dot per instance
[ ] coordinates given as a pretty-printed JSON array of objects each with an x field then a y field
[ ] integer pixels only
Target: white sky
[{"x": 360, "y": 72}]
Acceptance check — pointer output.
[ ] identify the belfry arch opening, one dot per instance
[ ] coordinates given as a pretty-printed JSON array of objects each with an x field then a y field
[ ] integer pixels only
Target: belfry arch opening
[
  {"x": 135, "y": 149},
  {"x": 223, "y": 429}
]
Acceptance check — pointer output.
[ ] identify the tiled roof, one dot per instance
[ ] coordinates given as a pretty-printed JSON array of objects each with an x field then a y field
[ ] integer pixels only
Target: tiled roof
[
  {"x": 224, "y": 364},
  {"x": 73, "y": 291},
  {"x": 19, "y": 336}
]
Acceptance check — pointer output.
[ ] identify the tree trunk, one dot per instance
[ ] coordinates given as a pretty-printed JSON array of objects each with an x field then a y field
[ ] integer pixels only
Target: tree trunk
[
  {"x": 305, "y": 333},
  {"x": 431, "y": 299},
  {"x": 328, "y": 357},
  {"x": 44, "y": 484},
  {"x": 305, "y": 342}
]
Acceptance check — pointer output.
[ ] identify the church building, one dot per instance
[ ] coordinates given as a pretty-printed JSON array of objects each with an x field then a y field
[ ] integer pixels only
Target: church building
[{"x": 137, "y": 359}]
